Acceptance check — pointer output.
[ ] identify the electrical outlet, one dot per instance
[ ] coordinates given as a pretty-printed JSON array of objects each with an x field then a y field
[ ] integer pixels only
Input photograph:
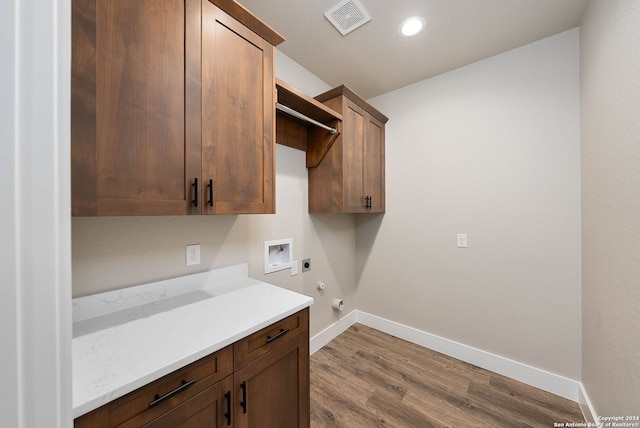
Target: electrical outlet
[
  {"x": 306, "y": 265},
  {"x": 193, "y": 254}
]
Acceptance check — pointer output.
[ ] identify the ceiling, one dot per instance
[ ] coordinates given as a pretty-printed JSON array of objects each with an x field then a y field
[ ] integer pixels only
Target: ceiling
[{"x": 375, "y": 59}]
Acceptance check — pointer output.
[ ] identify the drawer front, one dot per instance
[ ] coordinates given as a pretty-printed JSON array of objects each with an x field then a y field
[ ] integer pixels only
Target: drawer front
[
  {"x": 156, "y": 398},
  {"x": 210, "y": 408},
  {"x": 261, "y": 342}
]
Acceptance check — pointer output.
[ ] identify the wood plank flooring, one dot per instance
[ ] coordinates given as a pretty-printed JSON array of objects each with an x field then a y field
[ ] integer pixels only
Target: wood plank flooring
[{"x": 365, "y": 378}]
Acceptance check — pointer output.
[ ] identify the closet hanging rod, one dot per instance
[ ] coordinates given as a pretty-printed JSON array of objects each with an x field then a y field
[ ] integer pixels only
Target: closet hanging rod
[{"x": 299, "y": 115}]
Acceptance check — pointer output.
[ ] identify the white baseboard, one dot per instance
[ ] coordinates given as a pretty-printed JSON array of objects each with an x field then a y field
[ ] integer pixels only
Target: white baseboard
[
  {"x": 331, "y": 332},
  {"x": 588, "y": 411},
  {"x": 533, "y": 376}
]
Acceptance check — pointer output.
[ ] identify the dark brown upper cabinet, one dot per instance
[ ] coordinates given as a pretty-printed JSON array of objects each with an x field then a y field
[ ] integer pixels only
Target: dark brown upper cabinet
[
  {"x": 350, "y": 178},
  {"x": 172, "y": 108}
]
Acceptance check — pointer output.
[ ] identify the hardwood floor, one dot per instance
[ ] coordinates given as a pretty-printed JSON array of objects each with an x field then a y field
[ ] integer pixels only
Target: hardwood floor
[{"x": 365, "y": 378}]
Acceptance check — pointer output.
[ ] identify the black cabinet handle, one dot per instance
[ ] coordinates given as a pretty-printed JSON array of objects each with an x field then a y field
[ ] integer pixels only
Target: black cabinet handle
[
  {"x": 277, "y": 336},
  {"x": 158, "y": 399},
  {"x": 227, "y": 415},
  {"x": 367, "y": 201},
  {"x": 210, "y": 186},
  {"x": 195, "y": 192},
  {"x": 243, "y": 403}
]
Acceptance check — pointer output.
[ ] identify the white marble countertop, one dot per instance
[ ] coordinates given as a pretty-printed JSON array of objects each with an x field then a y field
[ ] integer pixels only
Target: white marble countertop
[{"x": 124, "y": 339}]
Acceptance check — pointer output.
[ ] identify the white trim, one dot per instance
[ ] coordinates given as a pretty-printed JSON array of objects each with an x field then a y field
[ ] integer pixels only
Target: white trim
[
  {"x": 10, "y": 367},
  {"x": 331, "y": 332},
  {"x": 586, "y": 406},
  {"x": 533, "y": 376},
  {"x": 37, "y": 284}
]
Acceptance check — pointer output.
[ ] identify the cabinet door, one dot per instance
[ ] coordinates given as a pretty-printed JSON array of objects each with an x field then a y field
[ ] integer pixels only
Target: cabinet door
[
  {"x": 353, "y": 140},
  {"x": 129, "y": 154},
  {"x": 273, "y": 391},
  {"x": 363, "y": 151},
  {"x": 374, "y": 162},
  {"x": 238, "y": 117},
  {"x": 210, "y": 408}
]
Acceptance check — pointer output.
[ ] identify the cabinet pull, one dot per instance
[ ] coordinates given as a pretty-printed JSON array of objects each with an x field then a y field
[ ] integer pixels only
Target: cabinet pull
[
  {"x": 227, "y": 415},
  {"x": 243, "y": 403},
  {"x": 169, "y": 394},
  {"x": 367, "y": 201},
  {"x": 195, "y": 192},
  {"x": 277, "y": 336},
  {"x": 210, "y": 186}
]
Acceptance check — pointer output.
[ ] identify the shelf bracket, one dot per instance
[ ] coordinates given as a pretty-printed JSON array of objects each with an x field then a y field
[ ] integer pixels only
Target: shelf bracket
[{"x": 319, "y": 143}]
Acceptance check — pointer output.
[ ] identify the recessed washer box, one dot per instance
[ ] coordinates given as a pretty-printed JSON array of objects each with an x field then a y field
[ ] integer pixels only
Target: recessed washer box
[{"x": 278, "y": 255}]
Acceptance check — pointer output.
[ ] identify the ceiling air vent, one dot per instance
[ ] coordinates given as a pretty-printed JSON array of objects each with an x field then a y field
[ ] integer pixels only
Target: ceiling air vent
[{"x": 347, "y": 16}]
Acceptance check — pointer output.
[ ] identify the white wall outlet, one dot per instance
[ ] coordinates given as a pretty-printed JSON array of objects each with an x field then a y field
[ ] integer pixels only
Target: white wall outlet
[
  {"x": 462, "y": 240},
  {"x": 193, "y": 254}
]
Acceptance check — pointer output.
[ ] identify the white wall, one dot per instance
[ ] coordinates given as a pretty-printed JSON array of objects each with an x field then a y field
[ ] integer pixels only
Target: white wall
[
  {"x": 491, "y": 150},
  {"x": 35, "y": 290},
  {"x": 117, "y": 252},
  {"x": 610, "y": 93}
]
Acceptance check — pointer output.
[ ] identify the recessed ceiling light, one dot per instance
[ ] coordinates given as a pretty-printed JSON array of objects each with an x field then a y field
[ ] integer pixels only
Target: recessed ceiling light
[{"x": 412, "y": 26}]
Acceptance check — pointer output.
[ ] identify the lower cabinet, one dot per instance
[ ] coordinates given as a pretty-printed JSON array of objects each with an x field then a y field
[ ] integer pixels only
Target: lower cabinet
[
  {"x": 259, "y": 381},
  {"x": 210, "y": 408},
  {"x": 273, "y": 389}
]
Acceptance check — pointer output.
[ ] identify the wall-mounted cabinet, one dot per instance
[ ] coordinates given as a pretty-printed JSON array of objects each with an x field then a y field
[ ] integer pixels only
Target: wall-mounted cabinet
[
  {"x": 172, "y": 108},
  {"x": 351, "y": 176},
  {"x": 346, "y": 165}
]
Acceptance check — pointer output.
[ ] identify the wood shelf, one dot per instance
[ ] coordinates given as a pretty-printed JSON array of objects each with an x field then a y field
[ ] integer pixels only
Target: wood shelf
[
  {"x": 299, "y": 101},
  {"x": 302, "y": 135}
]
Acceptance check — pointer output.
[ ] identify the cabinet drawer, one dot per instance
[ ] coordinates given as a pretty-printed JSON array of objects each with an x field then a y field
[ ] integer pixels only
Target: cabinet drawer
[
  {"x": 210, "y": 408},
  {"x": 156, "y": 398},
  {"x": 261, "y": 342},
  {"x": 147, "y": 402}
]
